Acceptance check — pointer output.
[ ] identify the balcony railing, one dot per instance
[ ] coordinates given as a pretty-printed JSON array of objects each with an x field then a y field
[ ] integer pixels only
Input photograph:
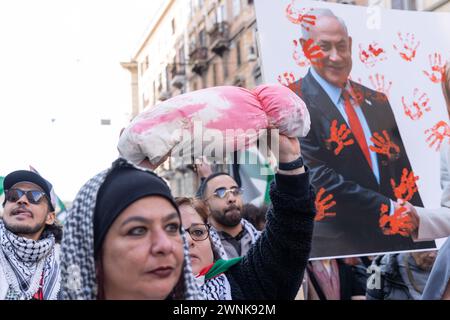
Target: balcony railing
[{"x": 219, "y": 37}]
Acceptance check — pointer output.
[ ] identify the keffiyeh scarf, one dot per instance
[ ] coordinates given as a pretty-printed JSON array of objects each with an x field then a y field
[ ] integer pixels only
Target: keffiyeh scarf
[
  {"x": 213, "y": 282},
  {"x": 77, "y": 251},
  {"x": 217, "y": 243},
  {"x": 26, "y": 262}
]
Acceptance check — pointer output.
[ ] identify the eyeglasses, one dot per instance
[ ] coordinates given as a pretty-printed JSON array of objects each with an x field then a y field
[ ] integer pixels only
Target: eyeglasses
[
  {"x": 223, "y": 192},
  {"x": 198, "y": 231},
  {"x": 33, "y": 196}
]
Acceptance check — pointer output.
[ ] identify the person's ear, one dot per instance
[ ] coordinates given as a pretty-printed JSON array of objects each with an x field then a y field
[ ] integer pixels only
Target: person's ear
[
  {"x": 350, "y": 44},
  {"x": 51, "y": 218}
]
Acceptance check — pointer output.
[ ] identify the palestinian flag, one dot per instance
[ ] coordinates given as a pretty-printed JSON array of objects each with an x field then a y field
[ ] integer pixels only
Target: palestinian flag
[{"x": 254, "y": 179}]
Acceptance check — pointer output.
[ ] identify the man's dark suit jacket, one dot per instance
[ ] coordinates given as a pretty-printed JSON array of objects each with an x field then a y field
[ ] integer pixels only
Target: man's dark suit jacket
[{"x": 355, "y": 228}]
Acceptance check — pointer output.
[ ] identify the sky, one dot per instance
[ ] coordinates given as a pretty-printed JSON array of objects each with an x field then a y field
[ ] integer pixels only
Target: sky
[{"x": 60, "y": 74}]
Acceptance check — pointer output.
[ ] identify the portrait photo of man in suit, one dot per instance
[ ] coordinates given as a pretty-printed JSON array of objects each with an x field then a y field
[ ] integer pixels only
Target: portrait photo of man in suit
[{"x": 354, "y": 149}]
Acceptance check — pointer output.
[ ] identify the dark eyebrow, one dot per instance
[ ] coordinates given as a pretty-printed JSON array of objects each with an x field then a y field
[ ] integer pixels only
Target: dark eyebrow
[
  {"x": 171, "y": 216},
  {"x": 135, "y": 219},
  {"x": 232, "y": 187},
  {"x": 147, "y": 221}
]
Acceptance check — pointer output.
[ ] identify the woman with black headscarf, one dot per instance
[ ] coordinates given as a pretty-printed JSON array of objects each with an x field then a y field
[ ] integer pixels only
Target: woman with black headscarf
[{"x": 123, "y": 240}]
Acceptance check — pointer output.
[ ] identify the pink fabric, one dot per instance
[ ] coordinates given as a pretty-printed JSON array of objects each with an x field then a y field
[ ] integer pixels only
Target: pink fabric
[
  {"x": 156, "y": 131},
  {"x": 328, "y": 280}
]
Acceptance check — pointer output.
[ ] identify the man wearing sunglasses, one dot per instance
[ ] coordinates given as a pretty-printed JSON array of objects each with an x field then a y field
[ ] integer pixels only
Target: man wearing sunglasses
[
  {"x": 29, "y": 266},
  {"x": 224, "y": 198}
]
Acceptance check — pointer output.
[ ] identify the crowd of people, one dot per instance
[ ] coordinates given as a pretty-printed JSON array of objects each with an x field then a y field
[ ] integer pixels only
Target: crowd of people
[{"x": 127, "y": 237}]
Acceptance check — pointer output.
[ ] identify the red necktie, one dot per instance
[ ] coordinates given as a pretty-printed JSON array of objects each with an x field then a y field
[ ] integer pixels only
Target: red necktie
[{"x": 355, "y": 126}]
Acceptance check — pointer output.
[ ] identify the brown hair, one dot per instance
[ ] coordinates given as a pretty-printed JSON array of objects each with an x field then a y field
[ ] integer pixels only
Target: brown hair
[
  {"x": 203, "y": 211},
  {"x": 197, "y": 204}
]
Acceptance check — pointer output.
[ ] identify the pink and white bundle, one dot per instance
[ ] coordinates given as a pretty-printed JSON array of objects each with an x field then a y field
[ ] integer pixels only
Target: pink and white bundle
[{"x": 236, "y": 114}]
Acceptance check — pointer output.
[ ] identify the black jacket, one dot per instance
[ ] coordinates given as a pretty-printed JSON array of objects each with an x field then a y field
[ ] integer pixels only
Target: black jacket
[
  {"x": 392, "y": 285},
  {"x": 349, "y": 178},
  {"x": 274, "y": 266}
]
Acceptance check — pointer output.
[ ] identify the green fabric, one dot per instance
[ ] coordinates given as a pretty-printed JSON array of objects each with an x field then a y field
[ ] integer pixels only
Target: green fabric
[
  {"x": 221, "y": 266},
  {"x": 1, "y": 185}
]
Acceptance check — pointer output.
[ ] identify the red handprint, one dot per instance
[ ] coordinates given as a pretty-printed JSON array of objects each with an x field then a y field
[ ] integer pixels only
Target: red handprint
[
  {"x": 313, "y": 52},
  {"x": 407, "y": 47},
  {"x": 384, "y": 145},
  {"x": 323, "y": 205},
  {"x": 397, "y": 223},
  {"x": 379, "y": 84},
  {"x": 298, "y": 55},
  {"x": 298, "y": 15},
  {"x": 338, "y": 136},
  {"x": 286, "y": 78},
  {"x": 372, "y": 54},
  {"x": 437, "y": 68},
  {"x": 418, "y": 106},
  {"x": 407, "y": 186},
  {"x": 438, "y": 133}
]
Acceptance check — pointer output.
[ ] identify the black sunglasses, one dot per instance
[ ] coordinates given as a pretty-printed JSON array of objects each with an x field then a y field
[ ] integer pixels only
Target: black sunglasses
[
  {"x": 198, "y": 231},
  {"x": 33, "y": 196}
]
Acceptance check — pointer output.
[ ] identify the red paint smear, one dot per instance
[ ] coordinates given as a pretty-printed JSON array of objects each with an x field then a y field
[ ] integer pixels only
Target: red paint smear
[
  {"x": 339, "y": 137},
  {"x": 322, "y": 205}
]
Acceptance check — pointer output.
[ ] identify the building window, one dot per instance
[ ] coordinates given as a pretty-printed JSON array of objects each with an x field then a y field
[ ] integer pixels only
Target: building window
[
  {"x": 236, "y": 7},
  {"x": 202, "y": 38},
  {"x": 225, "y": 66},
  {"x": 154, "y": 92},
  {"x": 173, "y": 26},
  {"x": 214, "y": 74},
  {"x": 238, "y": 53},
  {"x": 221, "y": 13},
  {"x": 404, "y": 4}
]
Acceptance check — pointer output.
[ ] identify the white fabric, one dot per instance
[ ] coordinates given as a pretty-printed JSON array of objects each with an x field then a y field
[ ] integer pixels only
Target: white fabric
[{"x": 435, "y": 223}]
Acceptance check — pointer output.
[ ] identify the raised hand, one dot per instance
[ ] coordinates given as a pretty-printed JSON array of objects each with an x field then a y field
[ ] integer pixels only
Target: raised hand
[
  {"x": 322, "y": 205},
  {"x": 407, "y": 186},
  {"x": 339, "y": 136},
  {"x": 407, "y": 46},
  {"x": 437, "y": 134},
  {"x": 384, "y": 145},
  {"x": 436, "y": 74},
  {"x": 298, "y": 15},
  {"x": 420, "y": 103}
]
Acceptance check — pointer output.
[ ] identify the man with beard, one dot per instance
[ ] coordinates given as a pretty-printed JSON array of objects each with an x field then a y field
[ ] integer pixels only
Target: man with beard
[
  {"x": 233, "y": 235},
  {"x": 29, "y": 266}
]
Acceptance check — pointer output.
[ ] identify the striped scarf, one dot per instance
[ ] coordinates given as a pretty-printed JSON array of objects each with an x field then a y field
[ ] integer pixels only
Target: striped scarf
[
  {"x": 213, "y": 282},
  {"x": 26, "y": 262},
  {"x": 217, "y": 243}
]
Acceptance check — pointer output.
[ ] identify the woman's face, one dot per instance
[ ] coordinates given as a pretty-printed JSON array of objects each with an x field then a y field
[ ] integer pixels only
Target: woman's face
[
  {"x": 200, "y": 251},
  {"x": 142, "y": 255}
]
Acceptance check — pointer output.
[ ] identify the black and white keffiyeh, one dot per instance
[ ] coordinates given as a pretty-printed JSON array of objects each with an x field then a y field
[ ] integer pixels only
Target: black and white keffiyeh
[
  {"x": 26, "y": 261},
  {"x": 217, "y": 288},
  {"x": 77, "y": 251},
  {"x": 217, "y": 243}
]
